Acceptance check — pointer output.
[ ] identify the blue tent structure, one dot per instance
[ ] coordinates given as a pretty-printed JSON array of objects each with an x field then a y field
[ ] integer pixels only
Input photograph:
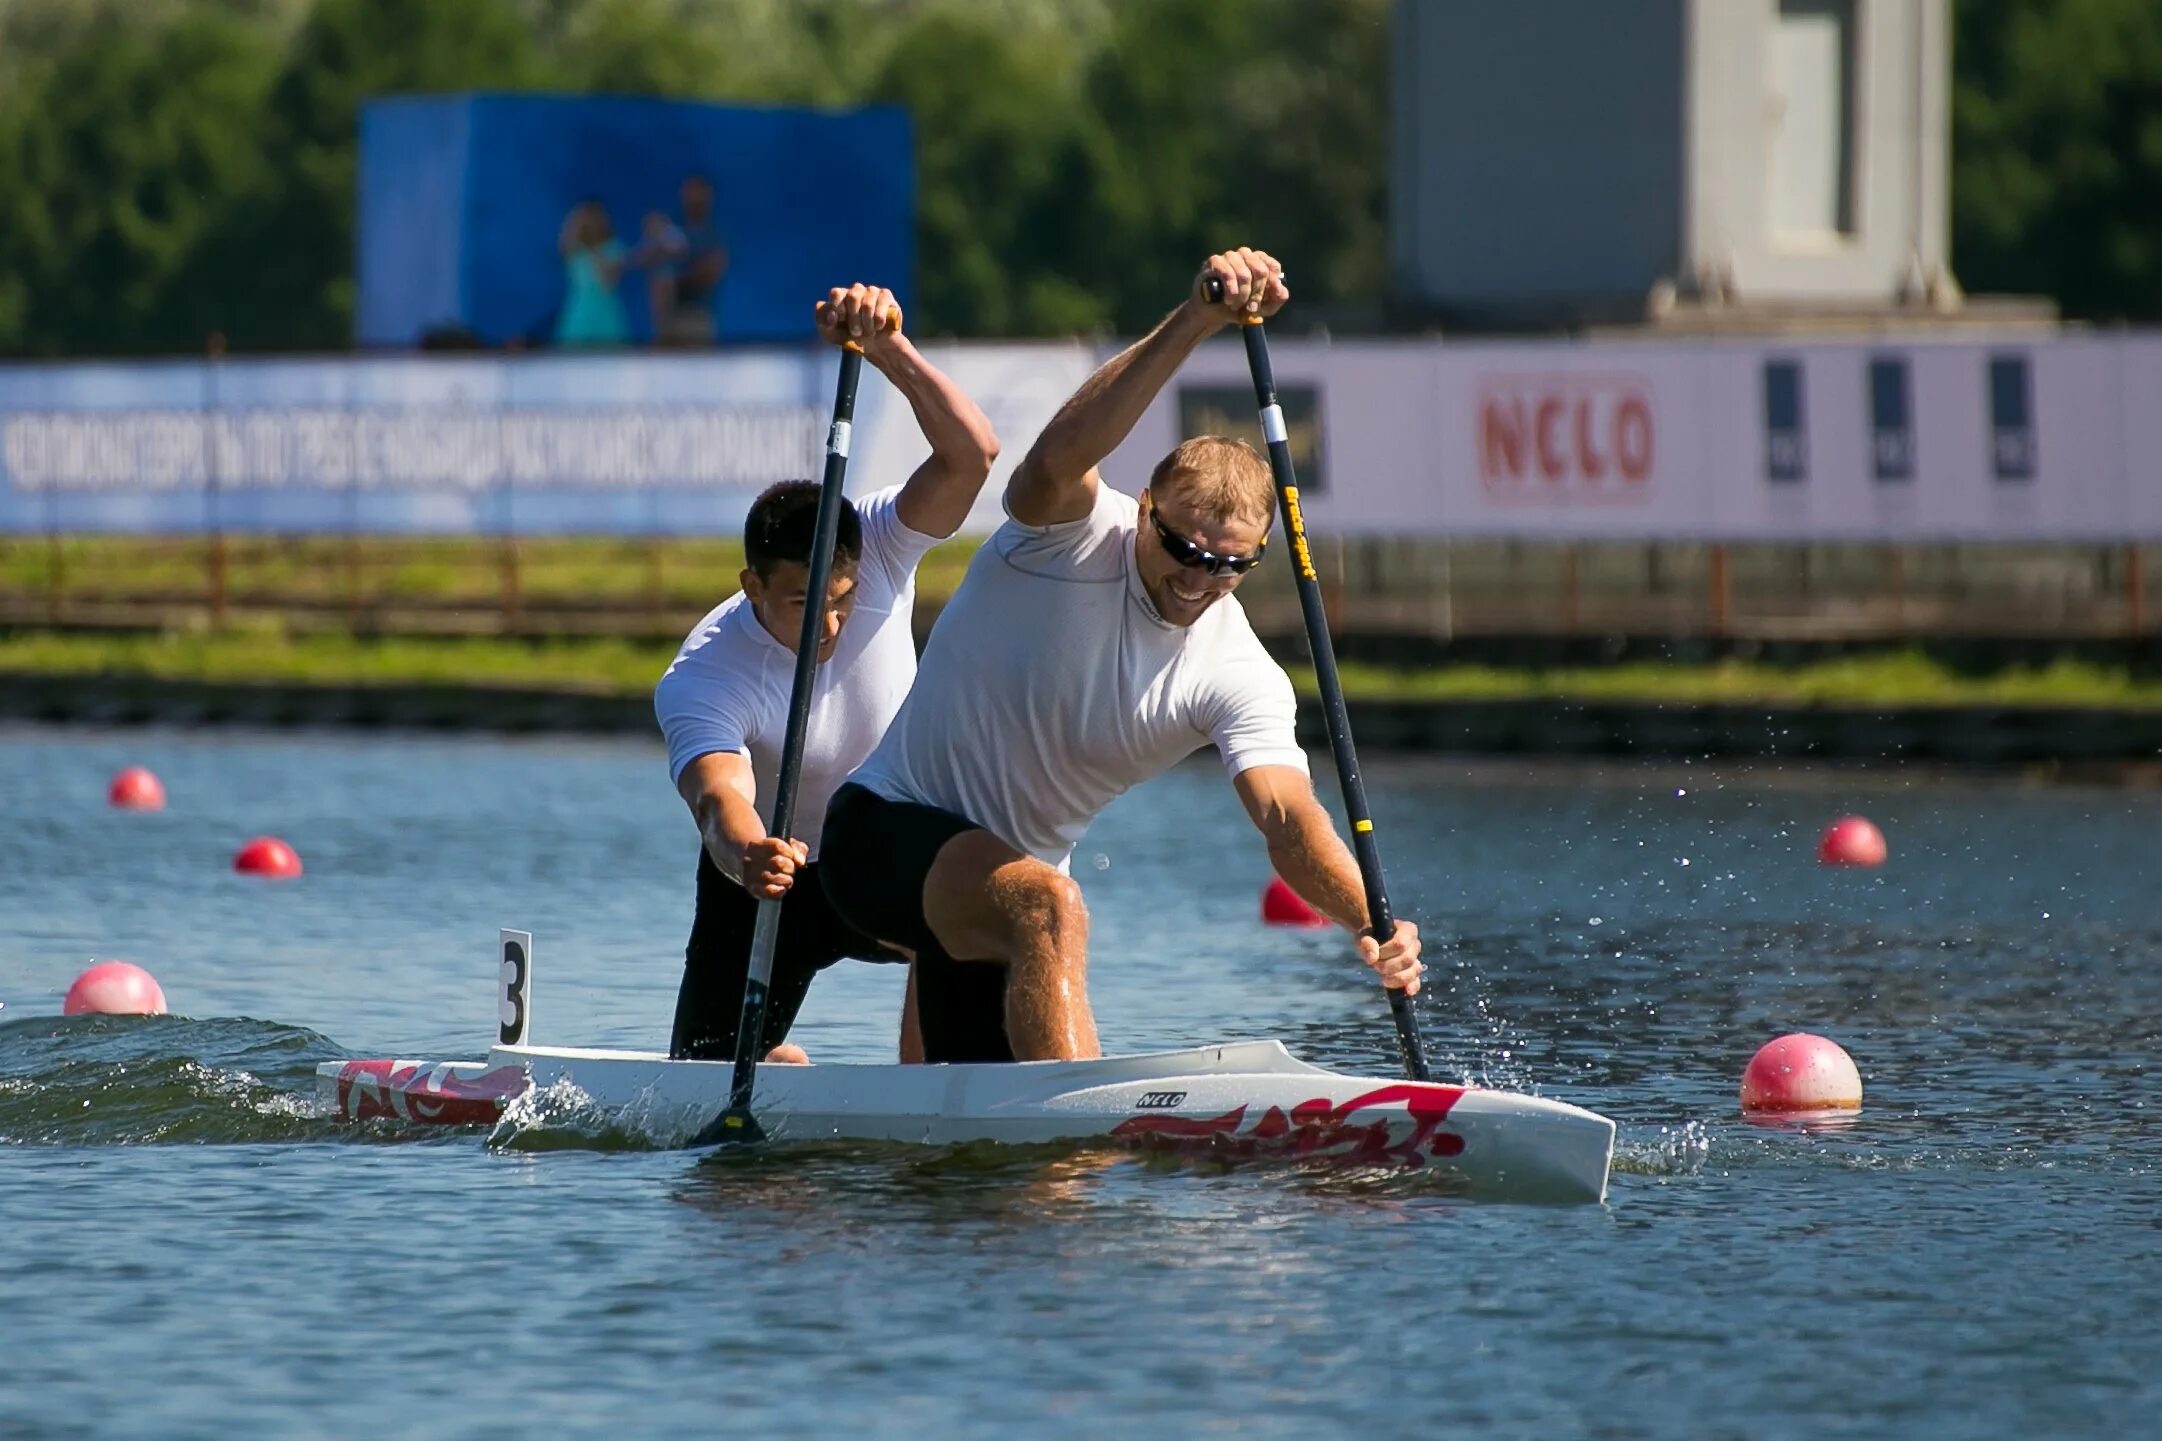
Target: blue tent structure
[{"x": 462, "y": 196}]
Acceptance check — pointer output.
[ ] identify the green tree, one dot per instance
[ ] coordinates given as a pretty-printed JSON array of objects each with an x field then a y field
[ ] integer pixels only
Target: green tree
[
  {"x": 1262, "y": 124},
  {"x": 298, "y": 241},
  {"x": 2057, "y": 152},
  {"x": 753, "y": 50},
  {"x": 123, "y": 148},
  {"x": 1005, "y": 163}
]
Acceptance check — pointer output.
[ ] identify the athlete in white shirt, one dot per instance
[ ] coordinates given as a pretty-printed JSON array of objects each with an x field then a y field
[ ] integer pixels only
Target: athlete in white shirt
[
  {"x": 723, "y": 703},
  {"x": 1093, "y": 644}
]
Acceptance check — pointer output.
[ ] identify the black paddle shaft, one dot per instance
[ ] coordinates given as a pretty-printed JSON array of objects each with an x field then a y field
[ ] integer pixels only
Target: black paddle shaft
[
  {"x": 736, "y": 1123},
  {"x": 1382, "y": 921}
]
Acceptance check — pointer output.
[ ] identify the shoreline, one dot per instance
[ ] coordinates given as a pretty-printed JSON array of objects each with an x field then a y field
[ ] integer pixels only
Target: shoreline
[{"x": 2123, "y": 743}]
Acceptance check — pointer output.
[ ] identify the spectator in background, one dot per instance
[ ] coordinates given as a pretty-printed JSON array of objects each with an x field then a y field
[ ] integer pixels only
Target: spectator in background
[
  {"x": 687, "y": 261},
  {"x": 660, "y": 252},
  {"x": 593, "y": 259}
]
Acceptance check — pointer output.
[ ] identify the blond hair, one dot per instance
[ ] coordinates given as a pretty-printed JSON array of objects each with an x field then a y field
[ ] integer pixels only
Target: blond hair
[{"x": 1221, "y": 477}]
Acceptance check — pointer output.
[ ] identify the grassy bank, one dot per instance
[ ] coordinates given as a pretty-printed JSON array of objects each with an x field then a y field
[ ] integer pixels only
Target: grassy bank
[
  {"x": 611, "y": 666},
  {"x": 677, "y": 573}
]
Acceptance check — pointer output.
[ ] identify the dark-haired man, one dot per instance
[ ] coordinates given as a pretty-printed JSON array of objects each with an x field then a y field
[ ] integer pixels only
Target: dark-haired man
[
  {"x": 1094, "y": 644},
  {"x": 723, "y": 703}
]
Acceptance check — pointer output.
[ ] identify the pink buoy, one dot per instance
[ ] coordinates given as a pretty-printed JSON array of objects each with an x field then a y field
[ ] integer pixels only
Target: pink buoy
[
  {"x": 1283, "y": 906},
  {"x": 136, "y": 789},
  {"x": 267, "y": 856},
  {"x": 1851, "y": 841},
  {"x": 114, "y": 988},
  {"x": 1801, "y": 1072}
]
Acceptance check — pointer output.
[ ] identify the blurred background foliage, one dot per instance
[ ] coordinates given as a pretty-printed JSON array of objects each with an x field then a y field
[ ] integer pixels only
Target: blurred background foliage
[
  {"x": 173, "y": 167},
  {"x": 2057, "y": 152}
]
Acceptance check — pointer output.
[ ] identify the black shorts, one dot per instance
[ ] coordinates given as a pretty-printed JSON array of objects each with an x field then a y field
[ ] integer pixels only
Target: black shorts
[
  {"x": 709, "y": 1007},
  {"x": 875, "y": 853}
]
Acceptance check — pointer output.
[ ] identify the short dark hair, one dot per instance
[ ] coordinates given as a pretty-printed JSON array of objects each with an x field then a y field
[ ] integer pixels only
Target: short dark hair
[{"x": 783, "y": 522}]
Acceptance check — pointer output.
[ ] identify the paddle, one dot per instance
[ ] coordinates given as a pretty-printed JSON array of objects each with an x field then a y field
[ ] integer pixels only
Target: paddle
[
  {"x": 736, "y": 1125},
  {"x": 1383, "y": 921}
]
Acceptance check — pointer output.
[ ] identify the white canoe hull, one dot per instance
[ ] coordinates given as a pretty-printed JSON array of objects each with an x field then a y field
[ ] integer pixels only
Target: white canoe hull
[{"x": 1246, "y": 1099}]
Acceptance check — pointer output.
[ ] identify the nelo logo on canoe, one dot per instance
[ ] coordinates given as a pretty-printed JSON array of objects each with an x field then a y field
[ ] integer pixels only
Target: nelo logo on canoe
[
  {"x": 1160, "y": 1101},
  {"x": 1566, "y": 439}
]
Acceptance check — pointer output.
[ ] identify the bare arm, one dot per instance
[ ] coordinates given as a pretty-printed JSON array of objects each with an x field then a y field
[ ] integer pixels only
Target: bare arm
[
  {"x": 939, "y": 496},
  {"x": 1314, "y": 861},
  {"x": 722, "y": 794},
  {"x": 1057, "y": 479},
  {"x": 1303, "y": 844}
]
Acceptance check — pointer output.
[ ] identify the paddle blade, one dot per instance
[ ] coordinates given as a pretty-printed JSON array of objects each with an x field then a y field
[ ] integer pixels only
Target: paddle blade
[{"x": 731, "y": 1127}]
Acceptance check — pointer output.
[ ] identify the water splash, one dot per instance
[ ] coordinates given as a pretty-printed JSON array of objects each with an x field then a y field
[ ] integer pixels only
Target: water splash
[
  {"x": 1495, "y": 1045},
  {"x": 1671, "y": 1151},
  {"x": 561, "y": 1117}
]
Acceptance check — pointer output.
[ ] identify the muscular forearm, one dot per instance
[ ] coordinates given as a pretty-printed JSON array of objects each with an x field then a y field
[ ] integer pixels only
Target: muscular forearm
[
  {"x": 726, "y": 824},
  {"x": 959, "y": 432},
  {"x": 1314, "y": 861},
  {"x": 1090, "y": 425}
]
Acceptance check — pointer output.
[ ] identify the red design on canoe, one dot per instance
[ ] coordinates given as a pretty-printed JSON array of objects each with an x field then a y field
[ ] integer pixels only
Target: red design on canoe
[
  {"x": 443, "y": 1093},
  {"x": 1318, "y": 1129}
]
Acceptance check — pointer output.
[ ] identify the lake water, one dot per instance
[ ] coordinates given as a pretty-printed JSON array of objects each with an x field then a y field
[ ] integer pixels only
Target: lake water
[{"x": 188, "y": 1249}]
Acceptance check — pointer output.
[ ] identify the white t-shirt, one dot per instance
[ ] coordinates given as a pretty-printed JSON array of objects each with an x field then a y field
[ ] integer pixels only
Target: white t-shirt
[
  {"x": 1051, "y": 686},
  {"x": 727, "y": 689}
]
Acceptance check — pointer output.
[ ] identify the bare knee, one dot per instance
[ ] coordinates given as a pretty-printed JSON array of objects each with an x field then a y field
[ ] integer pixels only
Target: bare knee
[
  {"x": 968, "y": 892},
  {"x": 1042, "y": 910},
  {"x": 986, "y": 901}
]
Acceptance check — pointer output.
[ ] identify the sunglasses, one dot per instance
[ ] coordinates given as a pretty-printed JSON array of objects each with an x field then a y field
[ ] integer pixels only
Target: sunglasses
[{"x": 1193, "y": 557}]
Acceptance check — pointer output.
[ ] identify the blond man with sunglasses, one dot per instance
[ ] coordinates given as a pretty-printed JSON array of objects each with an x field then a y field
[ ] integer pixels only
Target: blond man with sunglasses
[{"x": 1094, "y": 644}]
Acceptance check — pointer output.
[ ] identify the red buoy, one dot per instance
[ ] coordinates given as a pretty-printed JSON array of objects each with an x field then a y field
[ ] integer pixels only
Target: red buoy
[
  {"x": 1801, "y": 1072},
  {"x": 267, "y": 856},
  {"x": 1283, "y": 906},
  {"x": 1851, "y": 841},
  {"x": 136, "y": 789},
  {"x": 114, "y": 988}
]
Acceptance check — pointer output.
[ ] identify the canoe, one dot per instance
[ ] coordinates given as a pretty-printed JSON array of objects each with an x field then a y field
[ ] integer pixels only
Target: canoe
[{"x": 1236, "y": 1100}]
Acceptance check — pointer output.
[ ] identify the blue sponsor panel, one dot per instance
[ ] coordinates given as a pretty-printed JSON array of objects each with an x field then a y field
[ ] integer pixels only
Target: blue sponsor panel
[
  {"x": 410, "y": 216},
  {"x": 1891, "y": 418},
  {"x": 2011, "y": 418},
  {"x": 462, "y": 199},
  {"x": 1786, "y": 425}
]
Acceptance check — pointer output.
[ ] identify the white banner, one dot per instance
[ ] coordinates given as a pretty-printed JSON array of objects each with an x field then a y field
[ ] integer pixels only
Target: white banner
[
  {"x": 2005, "y": 438},
  {"x": 2009, "y": 439}
]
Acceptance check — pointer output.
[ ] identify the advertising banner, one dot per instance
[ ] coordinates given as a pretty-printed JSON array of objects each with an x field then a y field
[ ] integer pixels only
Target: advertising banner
[{"x": 2006, "y": 438}]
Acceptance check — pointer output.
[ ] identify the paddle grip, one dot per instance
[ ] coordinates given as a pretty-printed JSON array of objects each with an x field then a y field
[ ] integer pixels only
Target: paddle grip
[
  {"x": 891, "y": 325},
  {"x": 1213, "y": 288}
]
